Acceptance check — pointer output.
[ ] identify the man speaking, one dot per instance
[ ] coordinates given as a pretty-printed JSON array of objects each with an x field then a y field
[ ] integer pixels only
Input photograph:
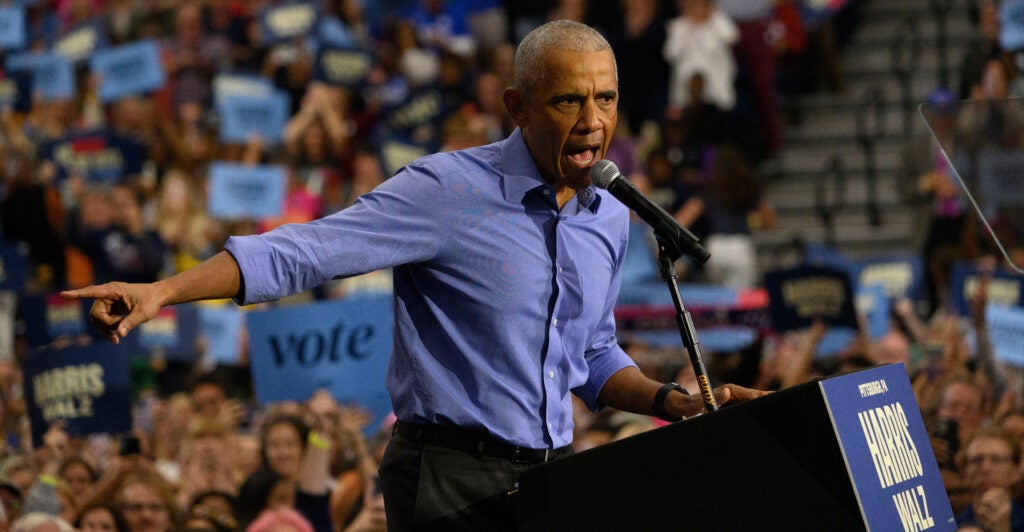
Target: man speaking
[{"x": 506, "y": 267}]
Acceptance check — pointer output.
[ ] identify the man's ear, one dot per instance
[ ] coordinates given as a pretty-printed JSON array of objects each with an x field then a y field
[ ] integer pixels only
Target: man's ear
[{"x": 515, "y": 105}]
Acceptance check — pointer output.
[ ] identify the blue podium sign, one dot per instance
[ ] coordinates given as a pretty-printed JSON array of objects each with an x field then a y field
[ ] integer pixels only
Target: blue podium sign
[{"x": 887, "y": 450}]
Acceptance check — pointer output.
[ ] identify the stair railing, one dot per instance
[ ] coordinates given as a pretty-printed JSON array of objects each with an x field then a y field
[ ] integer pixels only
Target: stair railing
[
  {"x": 905, "y": 59},
  {"x": 830, "y": 196},
  {"x": 941, "y": 10},
  {"x": 870, "y": 129}
]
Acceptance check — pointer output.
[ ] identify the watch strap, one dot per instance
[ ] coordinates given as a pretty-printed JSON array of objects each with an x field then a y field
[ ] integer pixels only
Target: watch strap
[{"x": 658, "y": 406}]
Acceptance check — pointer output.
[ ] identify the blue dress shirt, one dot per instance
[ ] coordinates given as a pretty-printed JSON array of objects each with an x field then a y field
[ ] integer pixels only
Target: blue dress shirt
[{"x": 503, "y": 302}]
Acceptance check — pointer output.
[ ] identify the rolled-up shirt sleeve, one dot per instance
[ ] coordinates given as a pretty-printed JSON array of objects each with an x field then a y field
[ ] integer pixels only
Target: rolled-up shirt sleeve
[{"x": 399, "y": 222}]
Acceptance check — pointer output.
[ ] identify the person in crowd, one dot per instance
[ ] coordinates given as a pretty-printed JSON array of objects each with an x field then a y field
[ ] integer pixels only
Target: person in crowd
[
  {"x": 280, "y": 520},
  {"x": 126, "y": 248},
  {"x": 79, "y": 475},
  {"x": 564, "y": 103},
  {"x": 700, "y": 40},
  {"x": 100, "y": 517},
  {"x": 41, "y": 522},
  {"x": 962, "y": 402},
  {"x": 991, "y": 459},
  {"x": 643, "y": 81}
]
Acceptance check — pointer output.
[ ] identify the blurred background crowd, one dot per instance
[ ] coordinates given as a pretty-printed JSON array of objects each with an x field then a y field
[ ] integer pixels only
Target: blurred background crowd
[{"x": 703, "y": 108}]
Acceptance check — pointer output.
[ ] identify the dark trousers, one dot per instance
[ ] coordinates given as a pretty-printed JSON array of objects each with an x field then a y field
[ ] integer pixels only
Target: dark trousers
[{"x": 428, "y": 487}]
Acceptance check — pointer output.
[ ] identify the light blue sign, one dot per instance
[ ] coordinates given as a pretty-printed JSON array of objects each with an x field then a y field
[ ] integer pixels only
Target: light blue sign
[
  {"x": 128, "y": 70},
  {"x": 887, "y": 450},
  {"x": 244, "y": 116},
  {"x": 1006, "y": 332},
  {"x": 12, "y": 27},
  {"x": 244, "y": 85},
  {"x": 53, "y": 75},
  {"x": 342, "y": 346},
  {"x": 220, "y": 326},
  {"x": 240, "y": 191},
  {"x": 1011, "y": 25}
]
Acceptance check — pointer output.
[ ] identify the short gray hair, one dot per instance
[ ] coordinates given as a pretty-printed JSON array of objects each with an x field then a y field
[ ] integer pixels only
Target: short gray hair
[
  {"x": 31, "y": 521},
  {"x": 557, "y": 34}
]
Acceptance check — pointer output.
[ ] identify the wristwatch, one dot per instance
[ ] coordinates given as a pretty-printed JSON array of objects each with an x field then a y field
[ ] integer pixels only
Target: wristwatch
[{"x": 658, "y": 406}]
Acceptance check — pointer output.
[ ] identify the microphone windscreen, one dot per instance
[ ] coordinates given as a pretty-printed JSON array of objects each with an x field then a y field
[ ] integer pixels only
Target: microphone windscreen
[{"x": 603, "y": 173}]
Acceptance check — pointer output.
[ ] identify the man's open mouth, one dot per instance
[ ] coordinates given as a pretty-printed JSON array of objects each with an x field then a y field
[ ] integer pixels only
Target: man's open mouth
[{"x": 584, "y": 156}]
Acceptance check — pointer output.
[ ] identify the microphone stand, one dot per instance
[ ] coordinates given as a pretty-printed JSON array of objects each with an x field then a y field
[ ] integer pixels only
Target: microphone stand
[{"x": 667, "y": 256}]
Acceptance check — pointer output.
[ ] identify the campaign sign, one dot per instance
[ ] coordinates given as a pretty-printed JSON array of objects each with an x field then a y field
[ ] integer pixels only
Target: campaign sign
[
  {"x": 1011, "y": 25},
  {"x": 341, "y": 345},
  {"x": 12, "y": 27},
  {"x": 288, "y": 20},
  {"x": 798, "y": 296},
  {"x": 395, "y": 153},
  {"x": 242, "y": 116},
  {"x": 887, "y": 450},
  {"x": 86, "y": 386},
  {"x": 128, "y": 70},
  {"x": 172, "y": 332},
  {"x": 13, "y": 266},
  {"x": 245, "y": 85},
  {"x": 1005, "y": 288},
  {"x": 79, "y": 43},
  {"x": 53, "y": 75},
  {"x": 1006, "y": 332},
  {"x": 420, "y": 108},
  {"x": 902, "y": 275},
  {"x": 99, "y": 155},
  {"x": 343, "y": 67},
  {"x": 65, "y": 317},
  {"x": 242, "y": 191},
  {"x": 221, "y": 327}
]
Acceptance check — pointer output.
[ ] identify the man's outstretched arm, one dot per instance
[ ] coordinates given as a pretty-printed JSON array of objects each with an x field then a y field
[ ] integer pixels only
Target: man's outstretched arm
[{"x": 120, "y": 307}]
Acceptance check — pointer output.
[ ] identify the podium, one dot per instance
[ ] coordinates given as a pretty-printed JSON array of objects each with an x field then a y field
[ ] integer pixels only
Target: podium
[{"x": 846, "y": 453}]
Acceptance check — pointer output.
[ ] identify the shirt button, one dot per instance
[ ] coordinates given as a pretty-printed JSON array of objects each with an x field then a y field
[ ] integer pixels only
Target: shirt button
[
  {"x": 551, "y": 374},
  {"x": 559, "y": 269},
  {"x": 554, "y": 321},
  {"x": 547, "y": 192}
]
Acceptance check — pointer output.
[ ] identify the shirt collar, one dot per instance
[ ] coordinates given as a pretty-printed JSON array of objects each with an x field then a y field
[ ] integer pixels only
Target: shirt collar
[{"x": 520, "y": 174}]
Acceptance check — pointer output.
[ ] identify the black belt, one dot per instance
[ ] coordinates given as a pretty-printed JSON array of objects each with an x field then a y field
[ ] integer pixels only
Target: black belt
[{"x": 477, "y": 443}]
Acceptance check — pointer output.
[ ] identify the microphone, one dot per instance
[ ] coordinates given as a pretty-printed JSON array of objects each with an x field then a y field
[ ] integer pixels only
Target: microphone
[{"x": 606, "y": 175}]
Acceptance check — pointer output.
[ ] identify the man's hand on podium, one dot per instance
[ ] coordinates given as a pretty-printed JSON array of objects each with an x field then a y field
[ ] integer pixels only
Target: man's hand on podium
[{"x": 684, "y": 406}]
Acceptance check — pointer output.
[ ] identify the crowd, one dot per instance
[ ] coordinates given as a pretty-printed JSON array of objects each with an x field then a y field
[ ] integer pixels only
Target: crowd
[{"x": 701, "y": 84}]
